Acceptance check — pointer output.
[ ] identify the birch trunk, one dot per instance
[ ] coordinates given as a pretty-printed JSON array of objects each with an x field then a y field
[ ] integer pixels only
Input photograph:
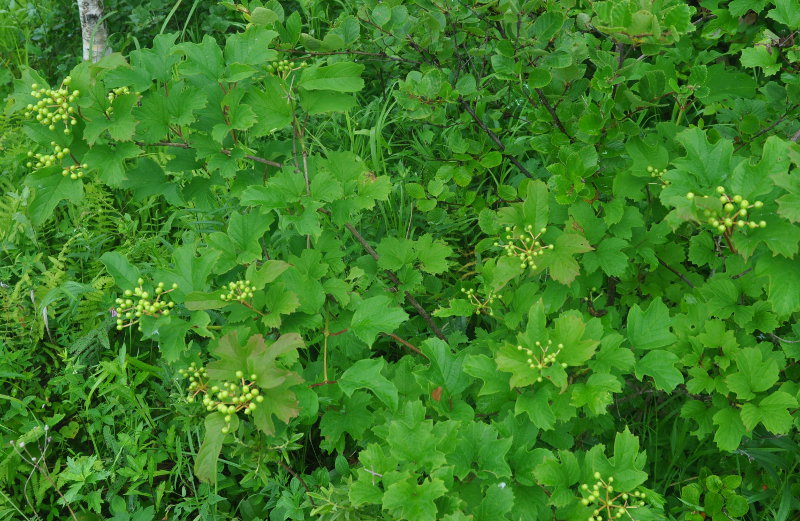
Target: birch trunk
[{"x": 93, "y": 29}]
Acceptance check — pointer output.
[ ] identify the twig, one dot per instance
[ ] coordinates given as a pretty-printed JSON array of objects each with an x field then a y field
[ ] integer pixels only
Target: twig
[
  {"x": 380, "y": 55},
  {"x": 224, "y": 151},
  {"x": 776, "y": 337},
  {"x": 409, "y": 298},
  {"x": 494, "y": 137},
  {"x": 676, "y": 272},
  {"x": 552, "y": 112},
  {"x": 296, "y": 475},
  {"x": 405, "y": 343},
  {"x": 767, "y": 129}
]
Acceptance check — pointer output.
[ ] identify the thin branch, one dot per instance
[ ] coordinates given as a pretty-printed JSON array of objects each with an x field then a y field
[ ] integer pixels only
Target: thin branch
[
  {"x": 224, "y": 151},
  {"x": 300, "y": 479},
  {"x": 676, "y": 272},
  {"x": 494, "y": 137},
  {"x": 409, "y": 298},
  {"x": 767, "y": 129},
  {"x": 405, "y": 343},
  {"x": 377, "y": 55},
  {"x": 552, "y": 112}
]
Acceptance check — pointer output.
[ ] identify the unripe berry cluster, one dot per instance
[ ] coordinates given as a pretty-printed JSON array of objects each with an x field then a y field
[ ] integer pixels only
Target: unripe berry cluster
[
  {"x": 544, "y": 358},
  {"x": 734, "y": 210},
  {"x": 524, "y": 246},
  {"x": 609, "y": 504},
  {"x": 74, "y": 171},
  {"x": 481, "y": 306},
  {"x": 112, "y": 95},
  {"x": 655, "y": 172},
  {"x": 138, "y": 303},
  {"x": 54, "y": 105},
  {"x": 228, "y": 398},
  {"x": 238, "y": 291},
  {"x": 283, "y": 67}
]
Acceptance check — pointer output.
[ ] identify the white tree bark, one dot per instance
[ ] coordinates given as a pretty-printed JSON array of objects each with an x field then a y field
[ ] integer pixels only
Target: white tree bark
[{"x": 93, "y": 29}]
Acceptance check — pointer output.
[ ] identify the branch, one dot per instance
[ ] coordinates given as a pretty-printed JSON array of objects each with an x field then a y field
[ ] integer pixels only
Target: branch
[
  {"x": 552, "y": 112},
  {"x": 409, "y": 298},
  {"x": 494, "y": 137},
  {"x": 405, "y": 343},
  {"x": 760, "y": 133},
  {"x": 379, "y": 55},
  {"x": 225, "y": 151},
  {"x": 676, "y": 272}
]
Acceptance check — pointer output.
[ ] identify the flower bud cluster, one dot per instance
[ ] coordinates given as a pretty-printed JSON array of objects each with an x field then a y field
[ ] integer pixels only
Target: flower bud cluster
[
  {"x": 524, "y": 246},
  {"x": 609, "y": 504},
  {"x": 284, "y": 67},
  {"x": 228, "y": 399},
  {"x": 734, "y": 210},
  {"x": 238, "y": 291},
  {"x": 74, "y": 171},
  {"x": 544, "y": 358},
  {"x": 481, "y": 306},
  {"x": 655, "y": 172},
  {"x": 54, "y": 105},
  {"x": 139, "y": 302}
]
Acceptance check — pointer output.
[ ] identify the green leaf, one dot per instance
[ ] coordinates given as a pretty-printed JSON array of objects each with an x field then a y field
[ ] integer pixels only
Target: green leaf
[
  {"x": 570, "y": 330},
  {"x": 760, "y": 56},
  {"x": 784, "y": 282},
  {"x": 415, "y": 444},
  {"x": 730, "y": 429},
  {"x": 609, "y": 257},
  {"x": 109, "y": 162},
  {"x": 376, "y": 315},
  {"x": 395, "y": 253},
  {"x": 250, "y": 47},
  {"x": 650, "y": 329},
  {"x": 432, "y": 254},
  {"x": 255, "y": 357},
  {"x": 50, "y": 189},
  {"x": 339, "y": 77},
  {"x": 561, "y": 259},
  {"x": 772, "y": 412},
  {"x": 125, "y": 274},
  {"x": 628, "y": 462},
  {"x": 787, "y": 13},
  {"x": 754, "y": 374},
  {"x": 660, "y": 365},
  {"x": 205, "y": 465},
  {"x": 366, "y": 374},
  {"x": 480, "y": 449},
  {"x": 411, "y": 501},
  {"x": 536, "y": 404}
]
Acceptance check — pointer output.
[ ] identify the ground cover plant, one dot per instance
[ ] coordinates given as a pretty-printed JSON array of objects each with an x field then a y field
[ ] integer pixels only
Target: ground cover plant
[{"x": 440, "y": 260}]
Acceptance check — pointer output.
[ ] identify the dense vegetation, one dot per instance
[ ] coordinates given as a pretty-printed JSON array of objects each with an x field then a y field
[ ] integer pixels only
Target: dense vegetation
[{"x": 431, "y": 260}]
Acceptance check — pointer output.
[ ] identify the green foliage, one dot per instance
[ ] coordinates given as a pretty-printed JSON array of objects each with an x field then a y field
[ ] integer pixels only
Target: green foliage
[{"x": 425, "y": 261}]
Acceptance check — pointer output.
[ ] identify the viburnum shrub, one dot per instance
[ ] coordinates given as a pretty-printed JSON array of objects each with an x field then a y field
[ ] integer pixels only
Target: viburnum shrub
[{"x": 446, "y": 260}]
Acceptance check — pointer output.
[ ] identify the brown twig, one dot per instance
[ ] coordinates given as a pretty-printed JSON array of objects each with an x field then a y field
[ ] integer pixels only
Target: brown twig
[
  {"x": 676, "y": 272},
  {"x": 289, "y": 469},
  {"x": 378, "y": 55},
  {"x": 409, "y": 298},
  {"x": 405, "y": 343},
  {"x": 224, "y": 151},
  {"x": 767, "y": 129},
  {"x": 552, "y": 112},
  {"x": 493, "y": 137}
]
